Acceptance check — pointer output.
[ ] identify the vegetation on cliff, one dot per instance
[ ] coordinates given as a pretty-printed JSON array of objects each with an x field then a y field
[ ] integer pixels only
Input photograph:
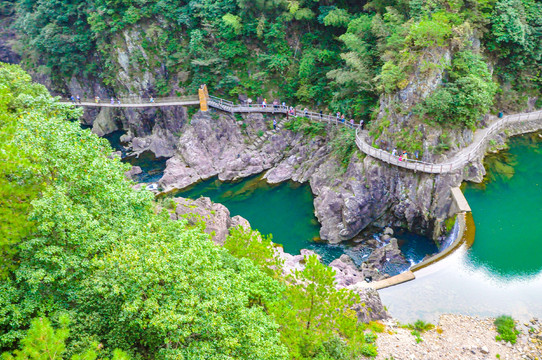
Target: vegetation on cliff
[
  {"x": 343, "y": 54},
  {"x": 84, "y": 247}
]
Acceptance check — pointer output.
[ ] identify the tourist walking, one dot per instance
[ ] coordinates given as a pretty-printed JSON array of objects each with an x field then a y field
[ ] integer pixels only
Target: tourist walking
[
  {"x": 264, "y": 103},
  {"x": 338, "y": 116},
  {"x": 361, "y": 124},
  {"x": 151, "y": 99},
  {"x": 352, "y": 123},
  {"x": 118, "y": 101},
  {"x": 405, "y": 156},
  {"x": 274, "y": 124},
  {"x": 394, "y": 152},
  {"x": 342, "y": 118},
  {"x": 72, "y": 99},
  {"x": 305, "y": 112},
  {"x": 78, "y": 99},
  {"x": 112, "y": 101},
  {"x": 97, "y": 99}
]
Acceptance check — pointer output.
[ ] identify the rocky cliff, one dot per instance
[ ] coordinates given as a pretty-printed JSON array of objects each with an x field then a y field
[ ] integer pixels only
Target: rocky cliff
[{"x": 347, "y": 200}]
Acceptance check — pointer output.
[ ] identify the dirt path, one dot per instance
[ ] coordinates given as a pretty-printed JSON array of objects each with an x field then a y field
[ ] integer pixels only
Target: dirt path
[{"x": 462, "y": 338}]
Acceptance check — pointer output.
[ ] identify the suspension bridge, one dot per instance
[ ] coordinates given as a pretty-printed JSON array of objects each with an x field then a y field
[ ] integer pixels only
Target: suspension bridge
[{"x": 204, "y": 100}]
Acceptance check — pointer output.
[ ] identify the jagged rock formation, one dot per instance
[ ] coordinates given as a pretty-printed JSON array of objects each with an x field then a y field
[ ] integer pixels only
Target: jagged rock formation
[{"x": 346, "y": 200}]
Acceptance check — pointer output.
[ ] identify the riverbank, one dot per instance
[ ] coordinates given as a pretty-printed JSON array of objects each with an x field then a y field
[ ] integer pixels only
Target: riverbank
[{"x": 459, "y": 337}]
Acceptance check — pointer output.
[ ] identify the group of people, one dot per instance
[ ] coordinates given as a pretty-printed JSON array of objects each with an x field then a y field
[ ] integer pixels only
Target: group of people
[
  {"x": 404, "y": 155},
  {"x": 76, "y": 99}
]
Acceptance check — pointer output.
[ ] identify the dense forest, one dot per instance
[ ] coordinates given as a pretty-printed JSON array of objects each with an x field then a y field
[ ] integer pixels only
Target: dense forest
[
  {"x": 341, "y": 55},
  {"x": 91, "y": 268}
]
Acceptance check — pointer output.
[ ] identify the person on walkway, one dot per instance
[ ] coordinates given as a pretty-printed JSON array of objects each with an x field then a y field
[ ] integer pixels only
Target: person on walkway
[
  {"x": 151, "y": 99},
  {"x": 338, "y": 116},
  {"x": 394, "y": 152},
  {"x": 72, "y": 99},
  {"x": 97, "y": 99},
  {"x": 112, "y": 101},
  {"x": 405, "y": 156},
  {"x": 342, "y": 118},
  {"x": 78, "y": 99},
  {"x": 264, "y": 103},
  {"x": 361, "y": 124},
  {"x": 352, "y": 123},
  {"x": 118, "y": 101},
  {"x": 305, "y": 112},
  {"x": 274, "y": 124},
  {"x": 416, "y": 154},
  {"x": 321, "y": 114},
  {"x": 249, "y": 101}
]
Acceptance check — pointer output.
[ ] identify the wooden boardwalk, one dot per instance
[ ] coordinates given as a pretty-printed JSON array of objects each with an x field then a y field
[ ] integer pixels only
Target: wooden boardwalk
[{"x": 458, "y": 161}]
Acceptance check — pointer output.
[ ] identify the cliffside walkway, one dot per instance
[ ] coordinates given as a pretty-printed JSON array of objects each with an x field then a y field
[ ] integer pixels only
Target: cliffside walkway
[{"x": 458, "y": 161}]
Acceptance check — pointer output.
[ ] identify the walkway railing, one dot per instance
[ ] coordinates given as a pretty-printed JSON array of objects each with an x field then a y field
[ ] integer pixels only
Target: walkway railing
[{"x": 459, "y": 160}]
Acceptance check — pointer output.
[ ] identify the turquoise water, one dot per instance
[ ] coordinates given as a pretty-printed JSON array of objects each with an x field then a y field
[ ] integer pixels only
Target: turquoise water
[
  {"x": 286, "y": 211},
  {"x": 502, "y": 272},
  {"x": 507, "y": 213},
  {"x": 152, "y": 167}
]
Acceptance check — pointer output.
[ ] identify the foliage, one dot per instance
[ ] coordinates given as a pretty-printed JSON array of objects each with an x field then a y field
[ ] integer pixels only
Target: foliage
[
  {"x": 315, "y": 319},
  {"x": 467, "y": 96},
  {"x": 306, "y": 126},
  {"x": 311, "y": 311},
  {"x": 343, "y": 145},
  {"x": 129, "y": 277},
  {"x": 43, "y": 342},
  {"x": 506, "y": 327}
]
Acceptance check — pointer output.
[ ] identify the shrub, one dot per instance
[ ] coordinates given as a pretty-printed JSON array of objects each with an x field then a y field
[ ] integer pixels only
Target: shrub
[
  {"x": 506, "y": 328},
  {"x": 369, "y": 350}
]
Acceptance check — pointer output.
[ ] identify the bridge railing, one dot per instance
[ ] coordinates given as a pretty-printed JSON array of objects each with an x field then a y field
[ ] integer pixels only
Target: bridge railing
[
  {"x": 459, "y": 160},
  {"x": 137, "y": 100}
]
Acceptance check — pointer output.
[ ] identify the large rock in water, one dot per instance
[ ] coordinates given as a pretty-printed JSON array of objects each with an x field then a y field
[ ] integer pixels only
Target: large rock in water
[{"x": 347, "y": 200}]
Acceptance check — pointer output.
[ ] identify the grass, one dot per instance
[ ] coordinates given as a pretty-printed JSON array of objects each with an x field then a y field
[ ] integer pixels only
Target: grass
[
  {"x": 418, "y": 328},
  {"x": 506, "y": 327}
]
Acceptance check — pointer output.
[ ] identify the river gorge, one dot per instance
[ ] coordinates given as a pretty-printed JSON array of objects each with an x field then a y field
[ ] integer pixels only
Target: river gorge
[{"x": 500, "y": 273}]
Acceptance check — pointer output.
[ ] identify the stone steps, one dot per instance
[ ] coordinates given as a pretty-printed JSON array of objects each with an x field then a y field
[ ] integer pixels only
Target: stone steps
[{"x": 260, "y": 140}]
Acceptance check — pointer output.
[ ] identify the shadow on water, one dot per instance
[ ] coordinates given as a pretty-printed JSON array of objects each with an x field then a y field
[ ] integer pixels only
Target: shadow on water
[{"x": 151, "y": 166}]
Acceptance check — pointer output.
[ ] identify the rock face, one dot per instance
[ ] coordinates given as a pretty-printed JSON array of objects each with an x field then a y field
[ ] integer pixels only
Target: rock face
[
  {"x": 346, "y": 200},
  {"x": 215, "y": 216}
]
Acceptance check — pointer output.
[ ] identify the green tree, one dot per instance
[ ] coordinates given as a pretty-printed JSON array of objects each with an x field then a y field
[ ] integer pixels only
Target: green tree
[
  {"x": 128, "y": 276},
  {"x": 43, "y": 342}
]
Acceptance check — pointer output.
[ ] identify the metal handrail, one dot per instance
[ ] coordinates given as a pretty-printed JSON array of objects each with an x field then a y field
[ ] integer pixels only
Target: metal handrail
[{"x": 460, "y": 159}]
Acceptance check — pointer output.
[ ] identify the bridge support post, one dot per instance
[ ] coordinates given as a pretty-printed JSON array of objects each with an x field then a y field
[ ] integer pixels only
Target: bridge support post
[{"x": 203, "y": 96}]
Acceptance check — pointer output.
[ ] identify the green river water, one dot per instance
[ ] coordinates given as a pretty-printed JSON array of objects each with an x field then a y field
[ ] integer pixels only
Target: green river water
[
  {"x": 502, "y": 272},
  {"x": 286, "y": 211}
]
